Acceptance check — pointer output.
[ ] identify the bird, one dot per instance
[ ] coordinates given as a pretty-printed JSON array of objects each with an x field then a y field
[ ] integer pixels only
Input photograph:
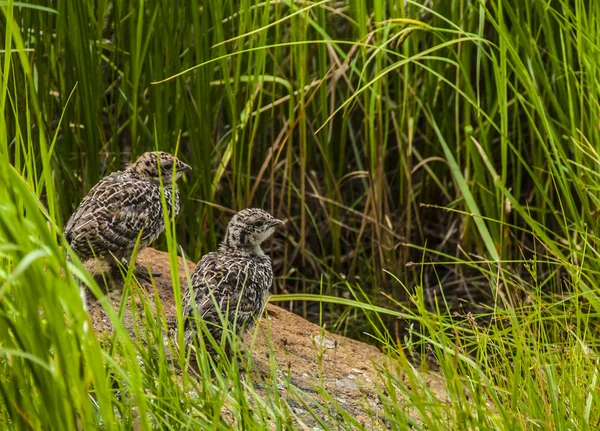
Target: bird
[
  {"x": 124, "y": 206},
  {"x": 230, "y": 287}
]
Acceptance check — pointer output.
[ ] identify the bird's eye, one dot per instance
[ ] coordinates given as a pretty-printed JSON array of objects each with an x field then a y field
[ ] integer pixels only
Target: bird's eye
[
  {"x": 168, "y": 166},
  {"x": 259, "y": 223}
]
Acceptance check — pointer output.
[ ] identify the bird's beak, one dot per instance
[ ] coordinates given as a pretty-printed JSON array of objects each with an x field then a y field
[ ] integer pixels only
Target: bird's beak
[
  {"x": 278, "y": 223},
  {"x": 182, "y": 167}
]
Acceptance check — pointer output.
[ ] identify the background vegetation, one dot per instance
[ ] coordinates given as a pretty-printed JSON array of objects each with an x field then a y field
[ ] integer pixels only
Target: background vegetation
[{"x": 435, "y": 158}]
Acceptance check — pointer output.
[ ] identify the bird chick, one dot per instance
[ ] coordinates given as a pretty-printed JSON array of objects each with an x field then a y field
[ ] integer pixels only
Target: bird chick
[
  {"x": 230, "y": 287},
  {"x": 110, "y": 218}
]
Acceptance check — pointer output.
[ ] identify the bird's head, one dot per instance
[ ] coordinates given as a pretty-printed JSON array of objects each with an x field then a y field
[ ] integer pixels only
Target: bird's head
[
  {"x": 249, "y": 228},
  {"x": 158, "y": 164}
]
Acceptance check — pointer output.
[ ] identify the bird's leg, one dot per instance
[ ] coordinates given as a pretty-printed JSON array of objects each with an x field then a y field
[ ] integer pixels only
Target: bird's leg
[{"x": 141, "y": 271}]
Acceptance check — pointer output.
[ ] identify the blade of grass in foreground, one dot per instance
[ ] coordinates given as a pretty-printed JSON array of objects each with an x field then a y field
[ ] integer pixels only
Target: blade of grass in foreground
[{"x": 465, "y": 191}]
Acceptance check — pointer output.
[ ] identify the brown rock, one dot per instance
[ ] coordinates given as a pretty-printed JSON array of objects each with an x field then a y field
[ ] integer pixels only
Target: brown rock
[{"x": 306, "y": 355}]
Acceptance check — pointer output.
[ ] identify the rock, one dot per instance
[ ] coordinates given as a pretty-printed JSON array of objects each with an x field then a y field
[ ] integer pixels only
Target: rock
[
  {"x": 324, "y": 342},
  {"x": 307, "y": 355}
]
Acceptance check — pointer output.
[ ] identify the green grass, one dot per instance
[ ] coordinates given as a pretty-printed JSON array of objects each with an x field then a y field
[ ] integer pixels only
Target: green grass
[{"x": 432, "y": 159}]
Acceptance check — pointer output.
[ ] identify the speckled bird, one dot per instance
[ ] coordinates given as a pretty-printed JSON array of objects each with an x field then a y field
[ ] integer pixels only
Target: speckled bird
[
  {"x": 123, "y": 204},
  {"x": 235, "y": 280}
]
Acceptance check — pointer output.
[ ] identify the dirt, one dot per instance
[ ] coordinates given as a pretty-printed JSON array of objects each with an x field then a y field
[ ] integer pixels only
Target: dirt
[{"x": 307, "y": 356}]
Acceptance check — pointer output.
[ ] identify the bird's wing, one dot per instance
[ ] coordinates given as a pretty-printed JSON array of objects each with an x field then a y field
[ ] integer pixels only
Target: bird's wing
[
  {"x": 219, "y": 281},
  {"x": 112, "y": 214}
]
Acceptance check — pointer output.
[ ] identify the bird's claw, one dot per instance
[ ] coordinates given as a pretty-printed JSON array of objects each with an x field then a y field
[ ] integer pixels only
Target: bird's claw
[{"x": 143, "y": 273}]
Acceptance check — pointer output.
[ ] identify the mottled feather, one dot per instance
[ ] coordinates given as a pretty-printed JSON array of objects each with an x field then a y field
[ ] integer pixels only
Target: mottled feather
[
  {"x": 233, "y": 281},
  {"x": 123, "y": 205}
]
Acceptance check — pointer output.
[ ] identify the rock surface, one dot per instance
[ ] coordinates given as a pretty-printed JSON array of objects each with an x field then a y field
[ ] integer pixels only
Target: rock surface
[{"x": 311, "y": 357}]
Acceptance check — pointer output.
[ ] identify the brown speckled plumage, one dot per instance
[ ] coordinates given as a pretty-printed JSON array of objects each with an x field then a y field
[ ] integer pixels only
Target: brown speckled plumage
[
  {"x": 123, "y": 204},
  {"x": 235, "y": 280}
]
